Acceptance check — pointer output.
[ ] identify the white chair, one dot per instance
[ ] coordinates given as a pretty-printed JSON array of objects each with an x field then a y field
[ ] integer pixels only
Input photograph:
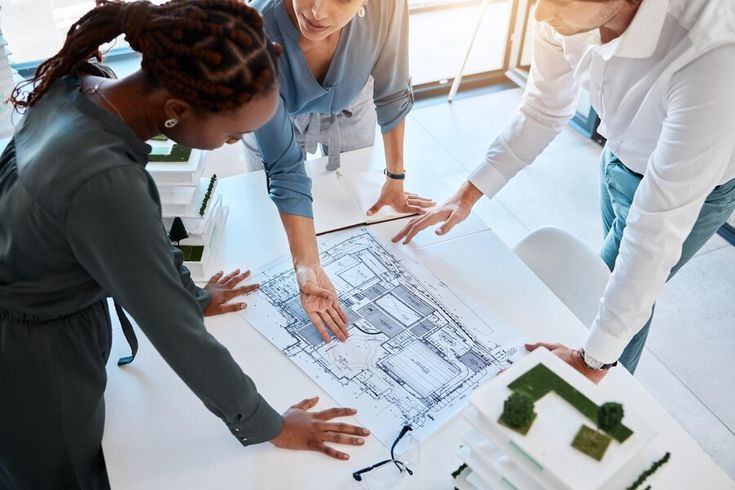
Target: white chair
[{"x": 568, "y": 267}]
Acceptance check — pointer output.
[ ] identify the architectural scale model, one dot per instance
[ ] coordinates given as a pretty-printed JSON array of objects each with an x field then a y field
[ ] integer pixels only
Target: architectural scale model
[{"x": 415, "y": 350}]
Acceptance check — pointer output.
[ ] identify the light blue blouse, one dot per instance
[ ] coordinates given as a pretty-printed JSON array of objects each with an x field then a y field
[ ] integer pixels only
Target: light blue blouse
[{"x": 376, "y": 44}]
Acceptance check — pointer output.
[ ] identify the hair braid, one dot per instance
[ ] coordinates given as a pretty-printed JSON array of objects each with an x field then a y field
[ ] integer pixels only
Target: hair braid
[{"x": 214, "y": 54}]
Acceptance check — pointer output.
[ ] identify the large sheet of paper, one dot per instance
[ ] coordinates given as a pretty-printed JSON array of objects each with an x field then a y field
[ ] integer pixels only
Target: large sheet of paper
[
  {"x": 344, "y": 198},
  {"x": 415, "y": 351}
]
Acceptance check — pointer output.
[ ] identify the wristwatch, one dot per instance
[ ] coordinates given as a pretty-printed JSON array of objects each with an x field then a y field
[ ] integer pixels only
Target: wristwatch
[
  {"x": 593, "y": 363},
  {"x": 394, "y": 176}
]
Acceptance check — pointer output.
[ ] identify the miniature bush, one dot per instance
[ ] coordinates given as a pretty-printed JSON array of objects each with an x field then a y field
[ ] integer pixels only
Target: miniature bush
[
  {"x": 518, "y": 410},
  {"x": 208, "y": 195},
  {"x": 609, "y": 416}
]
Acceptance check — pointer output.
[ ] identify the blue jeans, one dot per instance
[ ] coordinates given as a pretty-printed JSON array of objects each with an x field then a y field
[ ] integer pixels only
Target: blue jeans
[{"x": 617, "y": 188}]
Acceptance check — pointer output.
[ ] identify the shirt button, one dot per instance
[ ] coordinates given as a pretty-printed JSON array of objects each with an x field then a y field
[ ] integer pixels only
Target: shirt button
[
  {"x": 243, "y": 439},
  {"x": 237, "y": 430}
]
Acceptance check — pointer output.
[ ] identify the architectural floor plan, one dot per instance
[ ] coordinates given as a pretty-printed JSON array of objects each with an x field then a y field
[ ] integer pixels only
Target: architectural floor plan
[{"x": 415, "y": 350}]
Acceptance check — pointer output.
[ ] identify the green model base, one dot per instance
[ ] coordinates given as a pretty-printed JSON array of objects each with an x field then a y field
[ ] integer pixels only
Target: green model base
[
  {"x": 540, "y": 380},
  {"x": 591, "y": 442},
  {"x": 178, "y": 154},
  {"x": 521, "y": 430},
  {"x": 192, "y": 253}
]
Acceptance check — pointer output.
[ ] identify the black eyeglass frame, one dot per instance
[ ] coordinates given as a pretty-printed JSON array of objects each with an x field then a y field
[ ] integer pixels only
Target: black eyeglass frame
[{"x": 357, "y": 475}]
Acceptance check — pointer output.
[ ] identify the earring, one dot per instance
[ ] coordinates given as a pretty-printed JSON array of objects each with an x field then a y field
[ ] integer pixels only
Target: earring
[
  {"x": 361, "y": 12},
  {"x": 170, "y": 123}
]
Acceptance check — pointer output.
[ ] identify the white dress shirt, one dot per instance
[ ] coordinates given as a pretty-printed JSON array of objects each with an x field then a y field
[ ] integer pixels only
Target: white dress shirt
[{"x": 665, "y": 92}]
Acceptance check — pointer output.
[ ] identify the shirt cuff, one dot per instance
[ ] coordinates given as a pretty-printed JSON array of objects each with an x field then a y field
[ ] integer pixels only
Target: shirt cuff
[
  {"x": 263, "y": 425},
  {"x": 488, "y": 179},
  {"x": 603, "y": 346}
]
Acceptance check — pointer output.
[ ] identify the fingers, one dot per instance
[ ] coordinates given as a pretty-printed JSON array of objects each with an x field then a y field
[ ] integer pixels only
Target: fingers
[
  {"x": 228, "y": 294},
  {"x": 314, "y": 290},
  {"x": 330, "y": 451},
  {"x": 342, "y": 439},
  {"x": 335, "y": 412},
  {"x": 307, "y": 403},
  {"x": 235, "y": 279},
  {"x": 339, "y": 318},
  {"x": 319, "y": 325},
  {"x": 332, "y": 325},
  {"x": 230, "y": 307},
  {"x": 454, "y": 218},
  {"x": 215, "y": 278},
  {"x": 375, "y": 208},
  {"x": 420, "y": 202},
  {"x": 547, "y": 345},
  {"x": 345, "y": 429},
  {"x": 422, "y": 223}
]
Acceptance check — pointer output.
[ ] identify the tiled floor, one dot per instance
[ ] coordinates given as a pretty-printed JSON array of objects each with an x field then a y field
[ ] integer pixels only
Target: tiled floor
[{"x": 688, "y": 363}]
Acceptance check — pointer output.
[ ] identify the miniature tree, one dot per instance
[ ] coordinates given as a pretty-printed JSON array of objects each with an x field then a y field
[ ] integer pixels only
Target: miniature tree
[
  {"x": 609, "y": 416},
  {"x": 178, "y": 231},
  {"x": 518, "y": 411}
]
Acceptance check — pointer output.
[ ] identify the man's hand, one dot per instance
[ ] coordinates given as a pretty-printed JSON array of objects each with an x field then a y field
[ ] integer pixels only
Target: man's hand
[
  {"x": 319, "y": 299},
  {"x": 394, "y": 196},
  {"x": 572, "y": 357},
  {"x": 451, "y": 212},
  {"x": 311, "y": 430},
  {"x": 223, "y": 289}
]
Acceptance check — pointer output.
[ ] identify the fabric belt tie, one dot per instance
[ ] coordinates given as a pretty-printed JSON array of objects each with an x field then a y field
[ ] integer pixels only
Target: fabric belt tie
[{"x": 129, "y": 333}]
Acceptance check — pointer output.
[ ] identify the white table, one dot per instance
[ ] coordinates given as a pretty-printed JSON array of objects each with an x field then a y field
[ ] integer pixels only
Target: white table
[{"x": 158, "y": 435}]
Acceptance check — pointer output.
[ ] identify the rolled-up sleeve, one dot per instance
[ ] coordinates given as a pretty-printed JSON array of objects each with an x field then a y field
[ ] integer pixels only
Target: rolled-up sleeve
[
  {"x": 547, "y": 104},
  {"x": 691, "y": 158},
  {"x": 288, "y": 184},
  {"x": 114, "y": 229},
  {"x": 392, "y": 94}
]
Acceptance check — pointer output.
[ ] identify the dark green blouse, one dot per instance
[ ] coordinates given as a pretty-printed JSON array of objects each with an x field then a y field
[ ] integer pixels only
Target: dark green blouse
[{"x": 80, "y": 220}]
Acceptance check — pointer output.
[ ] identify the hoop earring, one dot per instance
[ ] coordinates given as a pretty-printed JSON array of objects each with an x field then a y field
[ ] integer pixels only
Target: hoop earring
[
  {"x": 170, "y": 123},
  {"x": 361, "y": 12}
]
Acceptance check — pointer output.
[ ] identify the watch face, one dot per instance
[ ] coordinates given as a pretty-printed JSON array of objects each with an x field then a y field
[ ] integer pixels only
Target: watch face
[{"x": 593, "y": 363}]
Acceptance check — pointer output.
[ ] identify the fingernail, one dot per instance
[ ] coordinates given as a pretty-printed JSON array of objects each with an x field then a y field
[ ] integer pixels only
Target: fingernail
[
  {"x": 352, "y": 410},
  {"x": 361, "y": 441},
  {"x": 243, "y": 306},
  {"x": 365, "y": 431},
  {"x": 344, "y": 456}
]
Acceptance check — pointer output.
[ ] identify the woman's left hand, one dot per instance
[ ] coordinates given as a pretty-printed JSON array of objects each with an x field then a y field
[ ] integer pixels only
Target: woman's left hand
[
  {"x": 223, "y": 288},
  {"x": 320, "y": 301},
  {"x": 394, "y": 196}
]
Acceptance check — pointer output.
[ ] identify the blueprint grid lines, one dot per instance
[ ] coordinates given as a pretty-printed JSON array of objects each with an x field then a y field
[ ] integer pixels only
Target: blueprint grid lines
[{"x": 415, "y": 351}]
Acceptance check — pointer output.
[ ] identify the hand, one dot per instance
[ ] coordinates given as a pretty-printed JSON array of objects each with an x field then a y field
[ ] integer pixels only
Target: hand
[
  {"x": 319, "y": 299},
  {"x": 222, "y": 290},
  {"x": 393, "y": 195},
  {"x": 572, "y": 357},
  {"x": 451, "y": 212},
  {"x": 311, "y": 430}
]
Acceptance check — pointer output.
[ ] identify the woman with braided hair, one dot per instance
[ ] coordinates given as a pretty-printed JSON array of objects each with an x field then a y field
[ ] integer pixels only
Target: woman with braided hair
[
  {"x": 81, "y": 221},
  {"x": 344, "y": 67}
]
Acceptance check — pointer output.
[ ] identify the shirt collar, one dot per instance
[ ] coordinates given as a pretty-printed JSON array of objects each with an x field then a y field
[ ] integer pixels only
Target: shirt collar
[
  {"x": 641, "y": 37},
  {"x": 284, "y": 22}
]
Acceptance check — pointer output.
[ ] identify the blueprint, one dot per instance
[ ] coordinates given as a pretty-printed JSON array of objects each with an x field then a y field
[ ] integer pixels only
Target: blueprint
[{"x": 415, "y": 351}]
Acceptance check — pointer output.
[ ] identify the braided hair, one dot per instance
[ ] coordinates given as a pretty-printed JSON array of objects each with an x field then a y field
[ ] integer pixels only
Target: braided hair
[{"x": 213, "y": 54}]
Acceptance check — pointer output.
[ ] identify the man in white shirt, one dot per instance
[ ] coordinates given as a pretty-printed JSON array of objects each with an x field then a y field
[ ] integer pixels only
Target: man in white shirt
[{"x": 661, "y": 75}]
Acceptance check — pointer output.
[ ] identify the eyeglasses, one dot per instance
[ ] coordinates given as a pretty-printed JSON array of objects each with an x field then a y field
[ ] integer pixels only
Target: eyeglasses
[{"x": 401, "y": 465}]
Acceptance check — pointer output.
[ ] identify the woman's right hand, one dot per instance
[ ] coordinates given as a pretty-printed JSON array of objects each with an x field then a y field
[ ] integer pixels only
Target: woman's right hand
[
  {"x": 453, "y": 211},
  {"x": 312, "y": 430}
]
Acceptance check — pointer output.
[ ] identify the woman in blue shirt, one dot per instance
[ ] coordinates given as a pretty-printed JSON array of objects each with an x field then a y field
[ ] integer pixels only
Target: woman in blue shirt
[{"x": 337, "y": 55}]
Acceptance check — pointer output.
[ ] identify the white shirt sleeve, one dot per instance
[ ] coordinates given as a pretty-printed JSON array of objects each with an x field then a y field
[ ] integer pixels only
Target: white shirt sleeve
[
  {"x": 548, "y": 102},
  {"x": 691, "y": 157}
]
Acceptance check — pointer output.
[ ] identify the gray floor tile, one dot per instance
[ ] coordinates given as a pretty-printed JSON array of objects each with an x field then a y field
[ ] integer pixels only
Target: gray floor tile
[
  {"x": 693, "y": 331},
  {"x": 704, "y": 427}
]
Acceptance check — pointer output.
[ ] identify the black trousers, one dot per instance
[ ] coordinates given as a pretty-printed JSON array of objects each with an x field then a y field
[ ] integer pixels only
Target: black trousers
[{"x": 52, "y": 412}]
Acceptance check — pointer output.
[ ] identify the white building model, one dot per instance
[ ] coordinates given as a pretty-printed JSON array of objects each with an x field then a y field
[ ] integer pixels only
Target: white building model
[{"x": 564, "y": 446}]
